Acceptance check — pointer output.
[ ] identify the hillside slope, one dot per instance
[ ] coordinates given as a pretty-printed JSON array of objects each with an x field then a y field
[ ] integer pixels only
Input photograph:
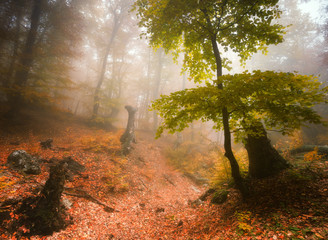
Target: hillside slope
[{"x": 141, "y": 197}]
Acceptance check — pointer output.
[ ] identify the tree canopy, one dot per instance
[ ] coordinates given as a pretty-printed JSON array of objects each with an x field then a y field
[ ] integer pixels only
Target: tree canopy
[
  {"x": 206, "y": 28},
  {"x": 282, "y": 101},
  {"x": 187, "y": 26}
]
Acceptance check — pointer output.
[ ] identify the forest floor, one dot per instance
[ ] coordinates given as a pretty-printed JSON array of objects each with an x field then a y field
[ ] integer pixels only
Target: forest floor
[{"x": 152, "y": 200}]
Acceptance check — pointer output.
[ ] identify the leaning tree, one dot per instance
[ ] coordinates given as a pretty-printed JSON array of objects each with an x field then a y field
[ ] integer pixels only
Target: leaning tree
[{"x": 203, "y": 30}]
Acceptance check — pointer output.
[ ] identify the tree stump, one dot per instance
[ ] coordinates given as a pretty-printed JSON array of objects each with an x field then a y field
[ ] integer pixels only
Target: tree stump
[
  {"x": 264, "y": 159},
  {"x": 44, "y": 213},
  {"x": 47, "y": 144},
  {"x": 128, "y": 136}
]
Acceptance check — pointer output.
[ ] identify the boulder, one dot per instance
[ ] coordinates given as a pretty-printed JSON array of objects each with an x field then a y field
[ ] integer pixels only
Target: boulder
[{"x": 22, "y": 161}]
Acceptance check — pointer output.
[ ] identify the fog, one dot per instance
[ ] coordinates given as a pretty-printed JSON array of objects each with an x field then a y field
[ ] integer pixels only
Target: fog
[{"x": 91, "y": 58}]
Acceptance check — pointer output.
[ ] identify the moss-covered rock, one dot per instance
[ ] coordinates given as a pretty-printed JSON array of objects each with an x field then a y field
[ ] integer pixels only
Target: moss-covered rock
[{"x": 220, "y": 196}]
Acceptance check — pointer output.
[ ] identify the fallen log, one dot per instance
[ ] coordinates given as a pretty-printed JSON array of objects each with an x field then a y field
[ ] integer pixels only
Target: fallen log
[
  {"x": 323, "y": 150},
  {"x": 196, "y": 179}
]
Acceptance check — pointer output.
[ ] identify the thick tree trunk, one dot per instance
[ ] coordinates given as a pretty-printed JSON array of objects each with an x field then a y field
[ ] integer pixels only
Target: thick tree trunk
[
  {"x": 128, "y": 136},
  {"x": 235, "y": 172},
  {"x": 44, "y": 213},
  {"x": 264, "y": 159},
  {"x": 26, "y": 60},
  {"x": 19, "y": 17}
]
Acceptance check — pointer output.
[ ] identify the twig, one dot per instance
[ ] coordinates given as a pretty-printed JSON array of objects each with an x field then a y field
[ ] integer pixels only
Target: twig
[
  {"x": 143, "y": 183},
  {"x": 168, "y": 179},
  {"x": 87, "y": 196}
]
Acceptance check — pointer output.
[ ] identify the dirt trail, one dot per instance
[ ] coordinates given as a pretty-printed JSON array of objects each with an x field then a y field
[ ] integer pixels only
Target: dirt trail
[{"x": 149, "y": 210}]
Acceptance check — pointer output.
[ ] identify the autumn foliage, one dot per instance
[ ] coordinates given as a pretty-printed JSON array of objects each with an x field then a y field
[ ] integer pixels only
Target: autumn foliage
[{"x": 148, "y": 196}]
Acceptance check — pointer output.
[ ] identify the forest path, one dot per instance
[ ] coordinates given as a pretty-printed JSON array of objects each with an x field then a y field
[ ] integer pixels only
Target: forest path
[
  {"x": 158, "y": 195},
  {"x": 157, "y": 203}
]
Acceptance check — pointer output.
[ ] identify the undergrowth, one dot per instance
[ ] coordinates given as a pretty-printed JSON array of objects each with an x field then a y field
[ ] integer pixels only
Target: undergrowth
[{"x": 205, "y": 161}]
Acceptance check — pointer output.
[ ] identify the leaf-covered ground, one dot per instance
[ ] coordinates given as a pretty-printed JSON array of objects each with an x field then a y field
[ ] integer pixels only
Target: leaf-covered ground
[{"x": 151, "y": 200}]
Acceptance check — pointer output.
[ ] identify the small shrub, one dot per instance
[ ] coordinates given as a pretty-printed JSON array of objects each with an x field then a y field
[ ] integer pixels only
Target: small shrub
[
  {"x": 312, "y": 156},
  {"x": 193, "y": 159},
  {"x": 221, "y": 174},
  {"x": 244, "y": 221},
  {"x": 102, "y": 143},
  {"x": 115, "y": 179}
]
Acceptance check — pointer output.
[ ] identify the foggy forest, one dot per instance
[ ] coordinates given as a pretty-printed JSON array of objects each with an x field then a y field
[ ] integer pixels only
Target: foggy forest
[{"x": 163, "y": 119}]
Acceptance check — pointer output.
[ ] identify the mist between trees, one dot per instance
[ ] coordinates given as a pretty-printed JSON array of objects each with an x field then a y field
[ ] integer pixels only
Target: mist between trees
[{"x": 91, "y": 59}]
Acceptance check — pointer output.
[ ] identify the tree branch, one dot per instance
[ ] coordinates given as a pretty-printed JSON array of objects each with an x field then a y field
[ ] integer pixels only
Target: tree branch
[
  {"x": 240, "y": 18},
  {"x": 221, "y": 13},
  {"x": 83, "y": 194}
]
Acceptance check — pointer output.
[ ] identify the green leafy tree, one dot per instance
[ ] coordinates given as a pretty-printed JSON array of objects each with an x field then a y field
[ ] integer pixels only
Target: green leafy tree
[
  {"x": 202, "y": 30},
  {"x": 281, "y": 101}
]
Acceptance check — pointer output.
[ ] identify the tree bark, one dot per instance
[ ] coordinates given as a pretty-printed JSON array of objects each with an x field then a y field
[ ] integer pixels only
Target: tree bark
[
  {"x": 116, "y": 25},
  {"x": 235, "y": 172},
  {"x": 19, "y": 17},
  {"x": 27, "y": 57},
  {"x": 264, "y": 159},
  {"x": 26, "y": 60},
  {"x": 101, "y": 78},
  {"x": 44, "y": 213},
  {"x": 157, "y": 83},
  {"x": 128, "y": 136}
]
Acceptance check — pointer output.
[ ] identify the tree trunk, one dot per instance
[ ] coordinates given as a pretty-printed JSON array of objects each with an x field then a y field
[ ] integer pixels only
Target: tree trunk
[
  {"x": 235, "y": 172},
  {"x": 19, "y": 17},
  {"x": 44, "y": 213},
  {"x": 26, "y": 59},
  {"x": 96, "y": 101},
  {"x": 264, "y": 159},
  {"x": 157, "y": 83},
  {"x": 128, "y": 136}
]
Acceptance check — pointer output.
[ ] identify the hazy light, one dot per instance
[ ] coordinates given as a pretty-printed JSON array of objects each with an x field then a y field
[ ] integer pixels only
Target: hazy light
[{"x": 313, "y": 8}]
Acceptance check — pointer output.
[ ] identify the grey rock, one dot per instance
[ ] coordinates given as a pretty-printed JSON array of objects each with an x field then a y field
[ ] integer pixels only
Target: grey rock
[{"x": 22, "y": 161}]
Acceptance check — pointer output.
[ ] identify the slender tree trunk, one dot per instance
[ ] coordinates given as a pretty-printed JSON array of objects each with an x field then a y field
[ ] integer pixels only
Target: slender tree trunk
[
  {"x": 179, "y": 134},
  {"x": 157, "y": 83},
  {"x": 26, "y": 59},
  {"x": 96, "y": 100},
  {"x": 235, "y": 172},
  {"x": 12, "y": 66},
  {"x": 77, "y": 107},
  {"x": 148, "y": 94}
]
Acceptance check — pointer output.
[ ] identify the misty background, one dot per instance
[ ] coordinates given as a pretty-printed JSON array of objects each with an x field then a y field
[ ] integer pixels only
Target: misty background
[{"x": 91, "y": 60}]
